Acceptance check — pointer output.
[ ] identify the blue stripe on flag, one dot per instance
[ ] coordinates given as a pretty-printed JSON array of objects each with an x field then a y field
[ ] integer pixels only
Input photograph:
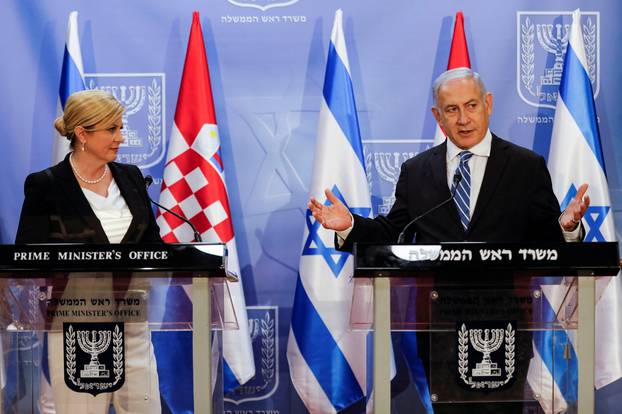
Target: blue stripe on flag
[
  {"x": 339, "y": 97},
  {"x": 554, "y": 347},
  {"x": 322, "y": 354},
  {"x": 230, "y": 382},
  {"x": 576, "y": 91},
  {"x": 70, "y": 78},
  {"x": 173, "y": 352},
  {"x": 417, "y": 372}
]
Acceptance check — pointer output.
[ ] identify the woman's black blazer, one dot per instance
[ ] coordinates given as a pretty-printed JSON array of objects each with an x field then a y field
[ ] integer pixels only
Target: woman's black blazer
[{"x": 55, "y": 209}]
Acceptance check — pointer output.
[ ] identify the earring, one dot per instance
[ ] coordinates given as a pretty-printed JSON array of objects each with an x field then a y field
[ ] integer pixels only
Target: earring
[{"x": 83, "y": 146}]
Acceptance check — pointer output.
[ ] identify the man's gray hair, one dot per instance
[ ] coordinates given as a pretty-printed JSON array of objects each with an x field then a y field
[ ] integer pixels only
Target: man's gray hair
[{"x": 458, "y": 73}]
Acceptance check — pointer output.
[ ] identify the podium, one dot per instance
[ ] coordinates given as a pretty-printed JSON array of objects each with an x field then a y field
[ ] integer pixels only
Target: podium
[
  {"x": 477, "y": 308},
  {"x": 96, "y": 307}
]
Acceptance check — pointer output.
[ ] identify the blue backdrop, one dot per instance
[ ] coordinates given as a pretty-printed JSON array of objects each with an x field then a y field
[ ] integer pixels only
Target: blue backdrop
[{"x": 267, "y": 60}]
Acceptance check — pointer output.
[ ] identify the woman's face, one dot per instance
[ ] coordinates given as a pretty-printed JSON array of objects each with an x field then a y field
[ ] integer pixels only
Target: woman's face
[{"x": 103, "y": 142}]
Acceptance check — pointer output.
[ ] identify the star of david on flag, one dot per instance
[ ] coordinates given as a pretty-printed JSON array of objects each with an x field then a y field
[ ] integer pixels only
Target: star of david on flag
[
  {"x": 314, "y": 245},
  {"x": 594, "y": 217}
]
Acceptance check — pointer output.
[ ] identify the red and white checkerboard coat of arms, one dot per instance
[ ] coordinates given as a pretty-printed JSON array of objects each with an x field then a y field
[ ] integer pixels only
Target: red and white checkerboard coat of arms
[{"x": 194, "y": 186}]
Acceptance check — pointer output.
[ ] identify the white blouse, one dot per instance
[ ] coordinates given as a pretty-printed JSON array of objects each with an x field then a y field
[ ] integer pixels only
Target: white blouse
[{"x": 112, "y": 211}]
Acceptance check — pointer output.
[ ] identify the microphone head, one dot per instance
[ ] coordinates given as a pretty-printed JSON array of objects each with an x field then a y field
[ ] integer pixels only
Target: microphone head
[{"x": 148, "y": 180}]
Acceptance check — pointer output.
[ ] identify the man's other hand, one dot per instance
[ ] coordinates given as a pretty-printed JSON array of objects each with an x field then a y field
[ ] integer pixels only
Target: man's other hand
[{"x": 576, "y": 209}]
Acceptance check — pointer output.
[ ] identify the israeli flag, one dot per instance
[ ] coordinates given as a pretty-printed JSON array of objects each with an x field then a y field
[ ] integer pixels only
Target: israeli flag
[
  {"x": 327, "y": 360},
  {"x": 575, "y": 158},
  {"x": 71, "y": 80}
]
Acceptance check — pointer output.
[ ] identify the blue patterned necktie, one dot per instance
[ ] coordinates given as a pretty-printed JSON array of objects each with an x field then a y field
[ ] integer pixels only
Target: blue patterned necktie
[{"x": 462, "y": 196}]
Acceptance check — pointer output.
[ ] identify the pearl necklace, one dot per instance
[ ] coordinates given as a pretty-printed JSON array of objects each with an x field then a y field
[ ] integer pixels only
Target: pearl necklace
[{"x": 75, "y": 170}]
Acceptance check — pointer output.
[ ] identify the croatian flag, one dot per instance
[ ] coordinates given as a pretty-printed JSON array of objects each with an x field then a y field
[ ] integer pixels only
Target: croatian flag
[
  {"x": 576, "y": 157},
  {"x": 71, "y": 80},
  {"x": 194, "y": 187},
  {"x": 458, "y": 58},
  {"x": 327, "y": 360}
]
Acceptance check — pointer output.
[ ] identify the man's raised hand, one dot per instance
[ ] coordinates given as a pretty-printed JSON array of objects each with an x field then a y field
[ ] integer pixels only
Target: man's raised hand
[{"x": 334, "y": 216}]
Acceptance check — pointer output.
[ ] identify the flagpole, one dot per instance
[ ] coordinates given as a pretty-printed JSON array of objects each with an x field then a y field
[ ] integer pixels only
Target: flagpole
[
  {"x": 382, "y": 347},
  {"x": 586, "y": 334},
  {"x": 201, "y": 345}
]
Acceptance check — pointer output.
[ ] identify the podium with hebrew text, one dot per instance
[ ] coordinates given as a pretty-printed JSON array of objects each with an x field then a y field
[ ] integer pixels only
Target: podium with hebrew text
[
  {"x": 500, "y": 325},
  {"x": 85, "y": 319}
]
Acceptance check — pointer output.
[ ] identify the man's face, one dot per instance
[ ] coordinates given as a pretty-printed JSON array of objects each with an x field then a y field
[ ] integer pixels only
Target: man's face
[{"x": 463, "y": 112}]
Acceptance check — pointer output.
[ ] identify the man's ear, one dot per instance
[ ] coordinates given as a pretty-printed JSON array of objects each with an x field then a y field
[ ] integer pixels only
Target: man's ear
[{"x": 489, "y": 103}]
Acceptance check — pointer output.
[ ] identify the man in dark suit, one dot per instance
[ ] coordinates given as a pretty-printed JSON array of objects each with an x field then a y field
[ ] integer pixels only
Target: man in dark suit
[{"x": 501, "y": 193}]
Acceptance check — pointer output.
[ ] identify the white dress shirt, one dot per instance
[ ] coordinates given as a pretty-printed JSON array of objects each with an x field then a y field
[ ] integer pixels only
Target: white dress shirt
[
  {"x": 112, "y": 212},
  {"x": 477, "y": 166}
]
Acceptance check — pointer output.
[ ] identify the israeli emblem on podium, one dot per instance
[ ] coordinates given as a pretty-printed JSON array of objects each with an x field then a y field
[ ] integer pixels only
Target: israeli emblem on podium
[
  {"x": 486, "y": 354},
  {"x": 94, "y": 356}
]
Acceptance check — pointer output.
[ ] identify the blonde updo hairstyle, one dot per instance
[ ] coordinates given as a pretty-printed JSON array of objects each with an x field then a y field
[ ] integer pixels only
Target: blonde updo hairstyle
[{"x": 91, "y": 109}]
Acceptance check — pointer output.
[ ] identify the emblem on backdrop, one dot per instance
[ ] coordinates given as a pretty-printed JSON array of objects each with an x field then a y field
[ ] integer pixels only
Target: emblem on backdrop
[
  {"x": 262, "y": 5},
  {"x": 383, "y": 163},
  {"x": 143, "y": 96},
  {"x": 486, "y": 354},
  {"x": 542, "y": 39},
  {"x": 94, "y": 356},
  {"x": 263, "y": 324}
]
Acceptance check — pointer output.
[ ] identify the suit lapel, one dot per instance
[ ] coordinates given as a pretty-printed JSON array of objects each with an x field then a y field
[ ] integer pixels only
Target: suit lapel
[
  {"x": 494, "y": 170},
  {"x": 130, "y": 193},
  {"x": 78, "y": 201},
  {"x": 439, "y": 174}
]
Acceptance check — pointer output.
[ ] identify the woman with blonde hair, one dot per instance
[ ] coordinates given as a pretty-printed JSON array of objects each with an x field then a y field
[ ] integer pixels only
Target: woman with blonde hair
[{"x": 89, "y": 198}]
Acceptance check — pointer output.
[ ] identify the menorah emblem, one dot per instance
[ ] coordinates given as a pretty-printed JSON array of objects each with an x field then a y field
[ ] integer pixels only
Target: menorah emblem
[
  {"x": 98, "y": 342},
  {"x": 540, "y": 51},
  {"x": 133, "y": 99},
  {"x": 105, "y": 370},
  {"x": 489, "y": 343},
  {"x": 554, "y": 39},
  {"x": 388, "y": 165}
]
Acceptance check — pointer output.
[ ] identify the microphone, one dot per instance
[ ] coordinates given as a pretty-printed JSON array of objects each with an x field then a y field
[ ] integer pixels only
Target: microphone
[
  {"x": 197, "y": 236},
  {"x": 457, "y": 179}
]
